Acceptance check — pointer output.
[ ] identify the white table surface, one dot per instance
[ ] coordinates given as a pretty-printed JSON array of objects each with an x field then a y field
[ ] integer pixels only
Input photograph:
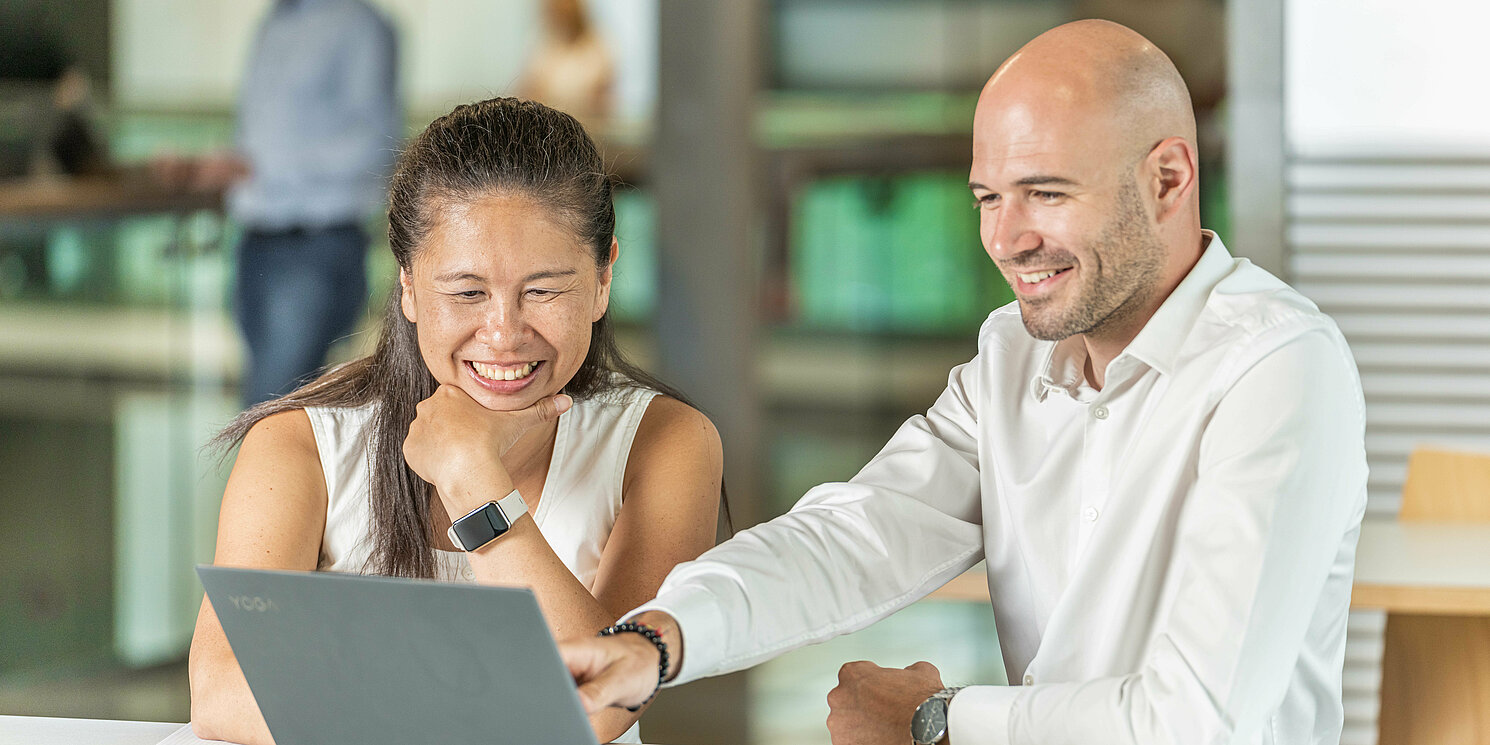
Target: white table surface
[
  {"x": 1397, "y": 556},
  {"x": 1423, "y": 554},
  {"x": 52, "y": 731}
]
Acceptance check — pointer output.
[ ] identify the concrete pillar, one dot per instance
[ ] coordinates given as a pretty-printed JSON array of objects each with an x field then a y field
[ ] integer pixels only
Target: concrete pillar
[{"x": 704, "y": 174}]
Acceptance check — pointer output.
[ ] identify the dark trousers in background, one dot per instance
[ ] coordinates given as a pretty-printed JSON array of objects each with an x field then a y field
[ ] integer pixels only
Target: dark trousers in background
[{"x": 299, "y": 290}]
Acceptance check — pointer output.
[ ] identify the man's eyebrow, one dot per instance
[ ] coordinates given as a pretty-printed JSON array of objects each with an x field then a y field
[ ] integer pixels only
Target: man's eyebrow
[
  {"x": 1044, "y": 180},
  {"x": 1036, "y": 180}
]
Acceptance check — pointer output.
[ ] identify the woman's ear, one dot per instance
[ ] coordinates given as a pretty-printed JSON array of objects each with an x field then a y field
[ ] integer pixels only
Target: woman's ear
[
  {"x": 602, "y": 297},
  {"x": 406, "y": 295}
]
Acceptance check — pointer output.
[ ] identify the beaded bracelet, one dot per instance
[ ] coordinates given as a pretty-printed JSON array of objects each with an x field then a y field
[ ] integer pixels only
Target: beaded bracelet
[{"x": 651, "y": 635}]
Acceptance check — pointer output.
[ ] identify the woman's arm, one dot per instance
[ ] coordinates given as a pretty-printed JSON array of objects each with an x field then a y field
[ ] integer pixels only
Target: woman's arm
[
  {"x": 670, "y": 505},
  {"x": 670, "y": 502},
  {"x": 273, "y": 516}
]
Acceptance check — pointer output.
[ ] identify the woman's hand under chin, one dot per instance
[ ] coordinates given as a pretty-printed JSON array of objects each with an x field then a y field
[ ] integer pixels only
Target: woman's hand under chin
[{"x": 457, "y": 444}]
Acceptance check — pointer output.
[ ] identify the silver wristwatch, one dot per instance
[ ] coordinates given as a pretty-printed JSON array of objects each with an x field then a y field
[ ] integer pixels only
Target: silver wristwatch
[{"x": 929, "y": 725}]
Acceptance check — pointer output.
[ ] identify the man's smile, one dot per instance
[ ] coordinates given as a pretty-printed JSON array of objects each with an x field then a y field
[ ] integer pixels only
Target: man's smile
[{"x": 1039, "y": 282}]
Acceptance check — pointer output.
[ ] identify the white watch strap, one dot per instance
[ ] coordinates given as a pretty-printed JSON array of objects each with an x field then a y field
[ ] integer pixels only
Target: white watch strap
[{"x": 512, "y": 506}]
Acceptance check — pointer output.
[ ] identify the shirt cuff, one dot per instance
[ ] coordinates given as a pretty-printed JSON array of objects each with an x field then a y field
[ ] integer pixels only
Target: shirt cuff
[
  {"x": 700, "y": 626},
  {"x": 979, "y": 715}
]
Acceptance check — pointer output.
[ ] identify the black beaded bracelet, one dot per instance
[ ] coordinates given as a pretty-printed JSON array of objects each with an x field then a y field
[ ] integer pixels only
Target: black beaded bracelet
[{"x": 651, "y": 635}]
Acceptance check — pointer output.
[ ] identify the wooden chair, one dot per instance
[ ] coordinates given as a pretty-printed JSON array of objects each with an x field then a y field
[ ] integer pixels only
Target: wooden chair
[
  {"x": 1446, "y": 486},
  {"x": 1424, "y": 699}
]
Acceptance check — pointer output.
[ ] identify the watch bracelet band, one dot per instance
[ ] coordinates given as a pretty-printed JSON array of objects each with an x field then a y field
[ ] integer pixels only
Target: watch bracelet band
[
  {"x": 947, "y": 693},
  {"x": 651, "y": 635}
]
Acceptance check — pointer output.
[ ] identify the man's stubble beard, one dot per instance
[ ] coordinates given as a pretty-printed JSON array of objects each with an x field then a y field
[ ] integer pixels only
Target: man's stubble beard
[{"x": 1132, "y": 259}]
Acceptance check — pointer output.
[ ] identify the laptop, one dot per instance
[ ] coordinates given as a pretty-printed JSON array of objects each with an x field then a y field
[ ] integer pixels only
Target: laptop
[{"x": 338, "y": 659}]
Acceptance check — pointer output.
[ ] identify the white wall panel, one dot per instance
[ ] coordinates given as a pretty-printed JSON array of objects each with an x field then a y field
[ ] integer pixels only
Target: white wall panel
[
  {"x": 1388, "y": 228},
  {"x": 1416, "y": 266},
  {"x": 1358, "y": 236},
  {"x": 1397, "y": 250},
  {"x": 1414, "y": 325},
  {"x": 1427, "y": 385},
  {"x": 1390, "y": 207}
]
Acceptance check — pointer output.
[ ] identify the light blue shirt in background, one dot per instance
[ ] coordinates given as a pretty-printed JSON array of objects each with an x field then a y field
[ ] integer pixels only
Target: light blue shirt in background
[{"x": 319, "y": 119}]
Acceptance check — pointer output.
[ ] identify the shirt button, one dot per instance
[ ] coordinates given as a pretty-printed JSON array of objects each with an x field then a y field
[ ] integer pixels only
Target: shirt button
[
  {"x": 1089, "y": 514},
  {"x": 1100, "y": 412},
  {"x": 1029, "y": 680},
  {"x": 468, "y": 573}
]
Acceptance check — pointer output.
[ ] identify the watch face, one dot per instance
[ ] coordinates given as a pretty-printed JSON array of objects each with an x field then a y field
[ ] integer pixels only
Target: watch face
[
  {"x": 480, "y": 527},
  {"x": 929, "y": 725}
]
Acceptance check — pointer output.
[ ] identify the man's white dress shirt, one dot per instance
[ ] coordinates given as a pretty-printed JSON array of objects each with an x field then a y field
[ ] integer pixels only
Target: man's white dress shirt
[{"x": 1170, "y": 558}]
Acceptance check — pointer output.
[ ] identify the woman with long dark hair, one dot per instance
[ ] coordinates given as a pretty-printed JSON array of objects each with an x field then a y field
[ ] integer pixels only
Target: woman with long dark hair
[{"x": 496, "y": 380}]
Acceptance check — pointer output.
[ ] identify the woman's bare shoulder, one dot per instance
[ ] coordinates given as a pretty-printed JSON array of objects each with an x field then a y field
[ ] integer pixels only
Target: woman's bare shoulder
[
  {"x": 668, "y": 417},
  {"x": 280, "y": 451},
  {"x": 286, "y": 437},
  {"x": 675, "y": 437},
  {"x": 273, "y": 510}
]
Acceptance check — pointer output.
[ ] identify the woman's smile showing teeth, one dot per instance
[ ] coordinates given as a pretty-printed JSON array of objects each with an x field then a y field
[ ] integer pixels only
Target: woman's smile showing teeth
[
  {"x": 493, "y": 375},
  {"x": 503, "y": 372}
]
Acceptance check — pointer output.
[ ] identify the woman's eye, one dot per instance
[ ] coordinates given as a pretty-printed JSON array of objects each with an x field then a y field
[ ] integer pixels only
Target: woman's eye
[
  {"x": 541, "y": 293},
  {"x": 469, "y": 294}
]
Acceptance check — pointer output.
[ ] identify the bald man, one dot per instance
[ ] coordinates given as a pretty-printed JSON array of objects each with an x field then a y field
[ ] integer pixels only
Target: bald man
[{"x": 1159, "y": 450}]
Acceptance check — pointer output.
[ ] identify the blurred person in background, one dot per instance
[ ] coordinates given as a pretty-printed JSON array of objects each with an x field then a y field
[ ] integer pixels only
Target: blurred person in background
[
  {"x": 72, "y": 145},
  {"x": 572, "y": 69},
  {"x": 319, "y": 122},
  {"x": 496, "y": 384},
  {"x": 47, "y": 132},
  {"x": 48, "y": 116},
  {"x": 1159, "y": 450}
]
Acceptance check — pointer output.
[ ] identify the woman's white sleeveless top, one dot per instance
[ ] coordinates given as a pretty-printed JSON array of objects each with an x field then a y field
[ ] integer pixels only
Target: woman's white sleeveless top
[
  {"x": 581, "y": 495},
  {"x": 580, "y": 500}
]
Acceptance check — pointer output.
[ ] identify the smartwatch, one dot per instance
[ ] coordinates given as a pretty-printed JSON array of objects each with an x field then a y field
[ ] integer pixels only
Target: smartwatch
[
  {"x": 929, "y": 724},
  {"x": 487, "y": 522}
]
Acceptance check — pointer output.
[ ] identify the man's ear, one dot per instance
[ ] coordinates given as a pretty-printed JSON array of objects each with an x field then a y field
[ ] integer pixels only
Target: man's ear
[
  {"x": 1172, "y": 171},
  {"x": 602, "y": 297},
  {"x": 406, "y": 294}
]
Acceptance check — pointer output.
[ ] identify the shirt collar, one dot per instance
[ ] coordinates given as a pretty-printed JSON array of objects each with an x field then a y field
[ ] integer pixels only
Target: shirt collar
[
  {"x": 1158, "y": 343},
  {"x": 1064, "y": 369}
]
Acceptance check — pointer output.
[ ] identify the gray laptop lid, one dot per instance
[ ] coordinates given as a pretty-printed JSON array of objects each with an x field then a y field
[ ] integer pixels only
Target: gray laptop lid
[{"x": 339, "y": 658}]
